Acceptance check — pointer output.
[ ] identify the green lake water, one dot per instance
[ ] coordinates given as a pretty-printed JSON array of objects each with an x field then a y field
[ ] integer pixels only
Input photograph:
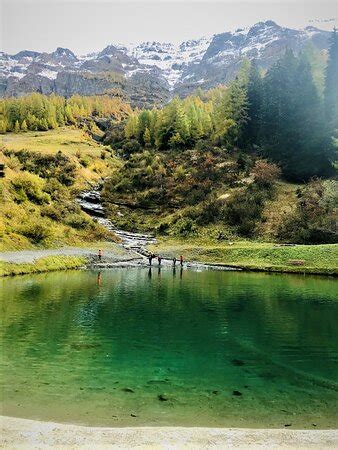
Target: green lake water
[{"x": 133, "y": 347}]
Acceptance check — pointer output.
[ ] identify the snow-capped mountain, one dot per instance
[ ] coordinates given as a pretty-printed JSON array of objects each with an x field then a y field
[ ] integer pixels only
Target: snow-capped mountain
[
  {"x": 169, "y": 58},
  {"x": 151, "y": 72}
]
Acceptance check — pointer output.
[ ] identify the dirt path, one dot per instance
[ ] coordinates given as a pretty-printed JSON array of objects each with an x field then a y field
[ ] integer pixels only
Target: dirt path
[{"x": 112, "y": 254}]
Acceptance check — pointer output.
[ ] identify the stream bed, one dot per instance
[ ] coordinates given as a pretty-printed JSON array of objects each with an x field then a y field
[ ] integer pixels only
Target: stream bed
[{"x": 91, "y": 203}]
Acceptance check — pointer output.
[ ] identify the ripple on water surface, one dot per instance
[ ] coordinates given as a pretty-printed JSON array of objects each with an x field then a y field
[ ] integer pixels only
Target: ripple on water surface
[{"x": 140, "y": 347}]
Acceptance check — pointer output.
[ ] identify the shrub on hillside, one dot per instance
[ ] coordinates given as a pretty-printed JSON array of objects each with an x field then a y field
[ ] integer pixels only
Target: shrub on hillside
[
  {"x": 209, "y": 212},
  {"x": 132, "y": 146},
  {"x": 56, "y": 166},
  {"x": 52, "y": 211},
  {"x": 28, "y": 186},
  {"x": 78, "y": 221},
  {"x": 265, "y": 174},
  {"x": 243, "y": 210},
  {"x": 36, "y": 231},
  {"x": 85, "y": 161},
  {"x": 56, "y": 190},
  {"x": 184, "y": 227},
  {"x": 314, "y": 219}
]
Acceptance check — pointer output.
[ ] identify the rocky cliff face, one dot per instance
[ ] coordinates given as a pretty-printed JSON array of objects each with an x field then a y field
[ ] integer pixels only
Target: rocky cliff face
[{"x": 151, "y": 72}]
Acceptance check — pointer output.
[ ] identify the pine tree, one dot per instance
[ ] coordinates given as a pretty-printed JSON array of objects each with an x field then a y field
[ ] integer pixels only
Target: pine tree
[
  {"x": 16, "y": 127},
  {"x": 181, "y": 124},
  {"x": 24, "y": 125},
  {"x": 331, "y": 84},
  {"x": 69, "y": 115},
  {"x": 292, "y": 120},
  {"x": 3, "y": 126},
  {"x": 147, "y": 137},
  {"x": 131, "y": 129},
  {"x": 231, "y": 113},
  {"x": 317, "y": 60},
  {"x": 252, "y": 127}
]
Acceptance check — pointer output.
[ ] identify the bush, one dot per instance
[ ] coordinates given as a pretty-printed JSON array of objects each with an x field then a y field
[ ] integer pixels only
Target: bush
[
  {"x": 244, "y": 210},
  {"x": 184, "y": 227},
  {"x": 265, "y": 173},
  {"x": 314, "y": 219},
  {"x": 52, "y": 212},
  {"x": 36, "y": 231},
  {"x": 163, "y": 228},
  {"x": 196, "y": 194},
  {"x": 78, "y": 221},
  {"x": 132, "y": 146},
  {"x": 56, "y": 190},
  {"x": 210, "y": 212},
  {"x": 85, "y": 161},
  {"x": 56, "y": 166},
  {"x": 29, "y": 186}
]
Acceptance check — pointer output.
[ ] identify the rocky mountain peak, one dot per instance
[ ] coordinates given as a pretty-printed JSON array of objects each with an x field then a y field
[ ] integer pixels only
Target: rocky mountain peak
[
  {"x": 162, "y": 66},
  {"x": 64, "y": 53},
  {"x": 109, "y": 51},
  {"x": 26, "y": 54}
]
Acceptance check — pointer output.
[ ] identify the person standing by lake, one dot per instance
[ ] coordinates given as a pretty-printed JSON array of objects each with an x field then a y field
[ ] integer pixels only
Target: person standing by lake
[
  {"x": 100, "y": 254},
  {"x": 150, "y": 258},
  {"x": 181, "y": 260},
  {"x": 159, "y": 260},
  {"x": 174, "y": 261}
]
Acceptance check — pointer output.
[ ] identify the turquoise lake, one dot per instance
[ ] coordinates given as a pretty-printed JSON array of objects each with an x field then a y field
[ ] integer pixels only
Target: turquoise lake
[{"x": 128, "y": 347}]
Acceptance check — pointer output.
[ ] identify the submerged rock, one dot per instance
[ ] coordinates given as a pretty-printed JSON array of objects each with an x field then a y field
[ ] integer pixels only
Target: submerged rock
[
  {"x": 158, "y": 381},
  {"x": 237, "y": 393},
  {"x": 84, "y": 346},
  {"x": 237, "y": 362},
  {"x": 267, "y": 375},
  {"x": 163, "y": 397},
  {"x": 127, "y": 390}
]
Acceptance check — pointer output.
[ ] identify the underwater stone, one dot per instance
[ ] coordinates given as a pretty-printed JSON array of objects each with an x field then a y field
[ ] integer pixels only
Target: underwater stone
[
  {"x": 237, "y": 362},
  {"x": 237, "y": 393}
]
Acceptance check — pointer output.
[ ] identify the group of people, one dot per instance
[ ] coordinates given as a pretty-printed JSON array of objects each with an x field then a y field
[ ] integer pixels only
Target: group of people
[
  {"x": 159, "y": 259},
  {"x": 150, "y": 258}
]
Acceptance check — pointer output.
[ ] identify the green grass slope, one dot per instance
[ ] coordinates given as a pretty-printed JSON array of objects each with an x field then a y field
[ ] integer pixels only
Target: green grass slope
[{"x": 44, "y": 171}]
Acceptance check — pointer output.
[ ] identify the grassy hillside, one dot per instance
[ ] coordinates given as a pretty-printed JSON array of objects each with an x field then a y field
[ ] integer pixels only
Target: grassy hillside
[
  {"x": 44, "y": 172},
  {"x": 68, "y": 139},
  {"x": 211, "y": 190}
]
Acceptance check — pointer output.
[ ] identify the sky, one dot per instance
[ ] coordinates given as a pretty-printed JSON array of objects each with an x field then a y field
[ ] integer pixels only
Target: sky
[{"x": 88, "y": 26}]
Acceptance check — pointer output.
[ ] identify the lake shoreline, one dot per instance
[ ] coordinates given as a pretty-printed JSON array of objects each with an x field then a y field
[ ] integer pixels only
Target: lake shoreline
[
  {"x": 66, "y": 258},
  {"x": 26, "y": 433}
]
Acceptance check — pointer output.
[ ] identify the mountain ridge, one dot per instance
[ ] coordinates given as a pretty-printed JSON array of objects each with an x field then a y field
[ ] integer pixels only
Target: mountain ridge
[{"x": 132, "y": 70}]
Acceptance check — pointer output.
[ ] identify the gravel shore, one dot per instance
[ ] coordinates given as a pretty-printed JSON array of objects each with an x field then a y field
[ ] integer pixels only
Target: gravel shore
[{"x": 29, "y": 434}]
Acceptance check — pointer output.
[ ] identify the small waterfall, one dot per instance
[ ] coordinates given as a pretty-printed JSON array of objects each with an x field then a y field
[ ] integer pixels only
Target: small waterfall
[{"x": 91, "y": 203}]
